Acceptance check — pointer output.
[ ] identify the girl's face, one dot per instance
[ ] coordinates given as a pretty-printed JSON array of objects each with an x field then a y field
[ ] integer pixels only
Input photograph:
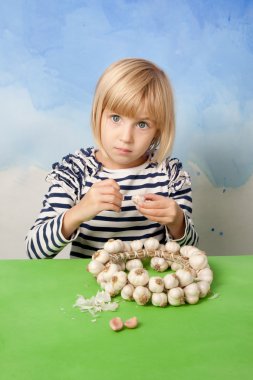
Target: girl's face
[{"x": 125, "y": 140}]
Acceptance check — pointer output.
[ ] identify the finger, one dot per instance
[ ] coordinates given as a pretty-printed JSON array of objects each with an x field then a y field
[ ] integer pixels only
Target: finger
[
  {"x": 108, "y": 198},
  {"x": 109, "y": 191},
  {"x": 152, "y": 212},
  {"x": 108, "y": 182}
]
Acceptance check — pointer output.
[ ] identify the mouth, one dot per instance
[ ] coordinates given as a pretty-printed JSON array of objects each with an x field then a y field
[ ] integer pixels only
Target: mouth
[{"x": 123, "y": 150}]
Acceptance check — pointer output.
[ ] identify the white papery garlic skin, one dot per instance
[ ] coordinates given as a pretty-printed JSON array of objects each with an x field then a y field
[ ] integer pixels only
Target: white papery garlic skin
[
  {"x": 205, "y": 274},
  {"x": 159, "y": 264},
  {"x": 134, "y": 263},
  {"x": 109, "y": 271},
  {"x": 136, "y": 245},
  {"x": 176, "y": 296},
  {"x": 184, "y": 276},
  {"x": 170, "y": 281},
  {"x": 172, "y": 247},
  {"x": 159, "y": 299},
  {"x": 198, "y": 262},
  {"x": 102, "y": 256},
  {"x": 141, "y": 295},
  {"x": 138, "y": 277},
  {"x": 151, "y": 244},
  {"x": 156, "y": 284},
  {"x": 95, "y": 267},
  {"x": 114, "y": 246},
  {"x": 204, "y": 288},
  {"x": 192, "y": 293},
  {"x": 127, "y": 292}
]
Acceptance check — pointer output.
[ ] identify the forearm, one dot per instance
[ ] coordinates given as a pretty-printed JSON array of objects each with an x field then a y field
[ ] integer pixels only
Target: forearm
[{"x": 189, "y": 235}]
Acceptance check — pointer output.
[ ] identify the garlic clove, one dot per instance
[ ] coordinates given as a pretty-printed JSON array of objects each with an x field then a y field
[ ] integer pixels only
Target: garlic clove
[
  {"x": 116, "y": 324},
  {"x": 131, "y": 323}
]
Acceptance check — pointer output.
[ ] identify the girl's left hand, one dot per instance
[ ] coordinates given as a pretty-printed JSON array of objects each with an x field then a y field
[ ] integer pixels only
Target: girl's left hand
[{"x": 165, "y": 211}]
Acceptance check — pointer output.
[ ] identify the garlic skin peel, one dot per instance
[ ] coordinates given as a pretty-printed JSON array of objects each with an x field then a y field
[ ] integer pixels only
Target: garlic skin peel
[
  {"x": 141, "y": 295},
  {"x": 159, "y": 264},
  {"x": 170, "y": 281},
  {"x": 159, "y": 299},
  {"x": 138, "y": 277},
  {"x": 134, "y": 263},
  {"x": 176, "y": 296},
  {"x": 156, "y": 284}
]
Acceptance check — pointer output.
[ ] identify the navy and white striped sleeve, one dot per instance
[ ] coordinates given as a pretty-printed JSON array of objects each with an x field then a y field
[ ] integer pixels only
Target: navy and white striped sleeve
[
  {"x": 45, "y": 239},
  {"x": 180, "y": 190}
]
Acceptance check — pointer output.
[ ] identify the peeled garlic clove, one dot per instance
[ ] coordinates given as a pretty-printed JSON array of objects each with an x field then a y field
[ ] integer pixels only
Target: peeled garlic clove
[
  {"x": 151, "y": 244},
  {"x": 156, "y": 284},
  {"x": 141, "y": 295},
  {"x": 176, "y": 296},
  {"x": 170, "y": 281},
  {"x": 184, "y": 276},
  {"x": 159, "y": 299},
  {"x": 204, "y": 288},
  {"x": 95, "y": 267},
  {"x": 131, "y": 323},
  {"x": 116, "y": 324},
  {"x": 127, "y": 292},
  {"x": 198, "y": 262},
  {"x": 172, "y": 247},
  {"x": 134, "y": 263}
]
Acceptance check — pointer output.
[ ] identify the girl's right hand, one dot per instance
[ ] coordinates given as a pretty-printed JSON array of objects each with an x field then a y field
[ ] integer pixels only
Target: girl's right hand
[{"x": 102, "y": 196}]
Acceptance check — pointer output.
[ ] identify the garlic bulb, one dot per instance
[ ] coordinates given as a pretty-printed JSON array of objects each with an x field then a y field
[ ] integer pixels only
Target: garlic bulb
[
  {"x": 109, "y": 271},
  {"x": 127, "y": 292},
  {"x": 184, "y": 276},
  {"x": 192, "y": 293},
  {"x": 159, "y": 264},
  {"x": 205, "y": 274},
  {"x": 102, "y": 256},
  {"x": 134, "y": 263},
  {"x": 198, "y": 261},
  {"x": 176, "y": 296},
  {"x": 126, "y": 247},
  {"x": 113, "y": 246},
  {"x": 151, "y": 244},
  {"x": 176, "y": 266},
  {"x": 121, "y": 266},
  {"x": 170, "y": 281},
  {"x": 119, "y": 280},
  {"x": 188, "y": 250},
  {"x": 172, "y": 247},
  {"x": 141, "y": 295},
  {"x": 95, "y": 267},
  {"x": 136, "y": 245},
  {"x": 204, "y": 288},
  {"x": 138, "y": 276},
  {"x": 159, "y": 299},
  {"x": 156, "y": 284}
]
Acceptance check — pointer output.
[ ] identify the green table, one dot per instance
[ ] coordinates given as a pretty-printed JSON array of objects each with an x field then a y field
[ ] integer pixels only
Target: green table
[{"x": 43, "y": 337}]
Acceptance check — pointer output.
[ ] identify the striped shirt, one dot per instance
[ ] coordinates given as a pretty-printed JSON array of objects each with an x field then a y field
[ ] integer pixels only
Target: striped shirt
[{"x": 73, "y": 177}]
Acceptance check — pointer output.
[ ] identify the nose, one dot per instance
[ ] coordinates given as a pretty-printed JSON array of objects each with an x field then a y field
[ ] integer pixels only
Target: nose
[{"x": 127, "y": 133}]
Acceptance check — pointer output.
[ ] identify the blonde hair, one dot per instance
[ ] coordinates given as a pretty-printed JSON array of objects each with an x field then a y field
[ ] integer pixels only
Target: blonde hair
[{"x": 125, "y": 87}]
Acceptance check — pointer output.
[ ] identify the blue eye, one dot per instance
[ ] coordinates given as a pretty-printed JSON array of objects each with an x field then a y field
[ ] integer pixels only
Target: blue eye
[
  {"x": 142, "y": 124},
  {"x": 115, "y": 118}
]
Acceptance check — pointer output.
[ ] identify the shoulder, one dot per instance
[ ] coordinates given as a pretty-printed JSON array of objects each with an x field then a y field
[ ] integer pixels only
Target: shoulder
[
  {"x": 178, "y": 177},
  {"x": 71, "y": 171}
]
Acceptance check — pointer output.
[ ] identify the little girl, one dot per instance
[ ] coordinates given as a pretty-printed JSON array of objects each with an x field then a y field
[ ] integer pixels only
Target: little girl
[{"x": 90, "y": 198}]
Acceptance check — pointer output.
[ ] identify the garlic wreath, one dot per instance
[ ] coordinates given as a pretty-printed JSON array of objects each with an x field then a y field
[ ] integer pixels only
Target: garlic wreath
[{"x": 119, "y": 269}]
